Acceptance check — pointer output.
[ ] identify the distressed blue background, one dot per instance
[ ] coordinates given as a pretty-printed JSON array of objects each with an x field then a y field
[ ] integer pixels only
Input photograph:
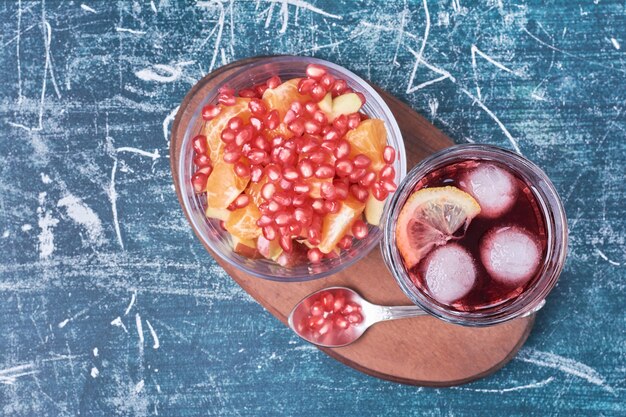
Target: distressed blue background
[{"x": 139, "y": 320}]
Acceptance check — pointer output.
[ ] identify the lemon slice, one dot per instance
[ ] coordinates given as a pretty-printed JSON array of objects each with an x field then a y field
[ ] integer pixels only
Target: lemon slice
[{"x": 431, "y": 217}]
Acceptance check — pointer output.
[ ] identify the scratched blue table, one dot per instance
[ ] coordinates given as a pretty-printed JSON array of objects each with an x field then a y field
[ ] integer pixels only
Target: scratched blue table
[{"x": 109, "y": 305}]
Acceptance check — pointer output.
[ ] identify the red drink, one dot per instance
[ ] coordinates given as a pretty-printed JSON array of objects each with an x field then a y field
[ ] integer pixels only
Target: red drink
[{"x": 506, "y": 241}]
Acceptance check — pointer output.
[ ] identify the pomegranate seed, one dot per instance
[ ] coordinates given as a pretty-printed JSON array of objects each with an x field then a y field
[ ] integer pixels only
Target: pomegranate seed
[
  {"x": 297, "y": 127},
  {"x": 291, "y": 144},
  {"x": 355, "y": 318},
  {"x": 359, "y": 229},
  {"x": 247, "y": 93},
  {"x": 209, "y": 112},
  {"x": 332, "y": 134},
  {"x": 340, "y": 301},
  {"x": 315, "y": 256},
  {"x": 339, "y": 87},
  {"x": 260, "y": 89},
  {"x": 290, "y": 116},
  {"x": 309, "y": 144},
  {"x": 328, "y": 301},
  {"x": 241, "y": 201},
  {"x": 320, "y": 117},
  {"x": 318, "y": 206},
  {"x": 329, "y": 146},
  {"x": 226, "y": 100},
  {"x": 311, "y": 107},
  {"x": 283, "y": 219},
  {"x": 317, "y": 92},
  {"x": 343, "y": 149},
  {"x": 242, "y": 170},
  {"x": 361, "y": 161},
  {"x": 273, "y": 172},
  {"x": 387, "y": 173},
  {"x": 379, "y": 192},
  {"x": 232, "y": 156},
  {"x": 295, "y": 229},
  {"x": 222, "y": 225},
  {"x": 290, "y": 173},
  {"x": 312, "y": 127},
  {"x": 341, "y": 322},
  {"x": 360, "y": 193},
  {"x": 327, "y": 81},
  {"x": 273, "y": 82},
  {"x": 198, "y": 180},
  {"x": 256, "y": 172},
  {"x": 314, "y": 236},
  {"x": 228, "y": 135},
  {"x": 200, "y": 144},
  {"x": 341, "y": 189},
  {"x": 363, "y": 116},
  {"x": 315, "y": 322},
  {"x": 256, "y": 123},
  {"x": 268, "y": 190},
  {"x": 303, "y": 215},
  {"x": 305, "y": 85},
  {"x": 264, "y": 220},
  {"x": 235, "y": 123},
  {"x": 286, "y": 156},
  {"x": 202, "y": 160},
  {"x": 318, "y": 157},
  {"x": 332, "y": 206},
  {"x": 269, "y": 232},
  {"x": 390, "y": 186},
  {"x": 285, "y": 185},
  {"x": 297, "y": 107},
  {"x": 357, "y": 174},
  {"x": 283, "y": 199},
  {"x": 261, "y": 143},
  {"x": 206, "y": 170},
  {"x": 301, "y": 188},
  {"x": 272, "y": 120},
  {"x": 273, "y": 207},
  {"x": 389, "y": 154},
  {"x": 244, "y": 135},
  {"x": 344, "y": 243},
  {"x": 258, "y": 156},
  {"x": 354, "y": 120},
  {"x": 327, "y": 190},
  {"x": 324, "y": 171},
  {"x": 361, "y": 97},
  {"x": 277, "y": 141},
  {"x": 368, "y": 179},
  {"x": 349, "y": 309},
  {"x": 257, "y": 107},
  {"x": 226, "y": 90},
  {"x": 286, "y": 243},
  {"x": 306, "y": 168},
  {"x": 341, "y": 123},
  {"x": 344, "y": 167},
  {"x": 315, "y": 71}
]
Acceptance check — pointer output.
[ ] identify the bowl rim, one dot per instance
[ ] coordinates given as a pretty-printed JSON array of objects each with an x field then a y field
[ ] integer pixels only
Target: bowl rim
[{"x": 305, "y": 275}]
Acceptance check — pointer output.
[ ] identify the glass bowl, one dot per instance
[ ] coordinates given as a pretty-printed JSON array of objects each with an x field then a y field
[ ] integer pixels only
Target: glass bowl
[
  {"x": 556, "y": 236},
  {"x": 209, "y": 230}
]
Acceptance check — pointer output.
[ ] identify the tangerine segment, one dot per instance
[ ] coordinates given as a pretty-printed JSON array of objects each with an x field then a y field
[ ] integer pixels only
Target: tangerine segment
[
  {"x": 254, "y": 191},
  {"x": 224, "y": 185},
  {"x": 213, "y": 128},
  {"x": 431, "y": 217},
  {"x": 370, "y": 139},
  {"x": 281, "y": 97},
  {"x": 337, "y": 225},
  {"x": 241, "y": 223}
]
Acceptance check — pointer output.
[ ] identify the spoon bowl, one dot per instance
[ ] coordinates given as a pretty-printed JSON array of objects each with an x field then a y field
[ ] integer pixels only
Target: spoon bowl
[{"x": 338, "y": 316}]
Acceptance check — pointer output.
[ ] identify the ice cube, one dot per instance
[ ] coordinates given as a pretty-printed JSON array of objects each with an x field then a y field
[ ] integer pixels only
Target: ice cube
[
  {"x": 449, "y": 272},
  {"x": 510, "y": 254},
  {"x": 494, "y": 189}
]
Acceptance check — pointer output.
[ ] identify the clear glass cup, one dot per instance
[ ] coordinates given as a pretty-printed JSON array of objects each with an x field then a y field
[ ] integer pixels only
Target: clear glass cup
[
  {"x": 209, "y": 230},
  {"x": 556, "y": 233}
]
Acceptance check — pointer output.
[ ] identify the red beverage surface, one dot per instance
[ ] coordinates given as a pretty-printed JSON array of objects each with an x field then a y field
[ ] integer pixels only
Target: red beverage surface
[{"x": 524, "y": 214}]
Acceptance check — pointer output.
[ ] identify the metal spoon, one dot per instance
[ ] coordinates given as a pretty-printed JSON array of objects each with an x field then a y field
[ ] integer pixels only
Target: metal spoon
[{"x": 330, "y": 332}]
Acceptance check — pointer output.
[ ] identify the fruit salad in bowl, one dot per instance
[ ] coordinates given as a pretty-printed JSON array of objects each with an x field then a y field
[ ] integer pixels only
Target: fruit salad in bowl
[{"x": 287, "y": 166}]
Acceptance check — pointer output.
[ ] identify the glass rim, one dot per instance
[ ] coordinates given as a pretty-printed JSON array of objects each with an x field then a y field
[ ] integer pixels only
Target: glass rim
[{"x": 551, "y": 209}]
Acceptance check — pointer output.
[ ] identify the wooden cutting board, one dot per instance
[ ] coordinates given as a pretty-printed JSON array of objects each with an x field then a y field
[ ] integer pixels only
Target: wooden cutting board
[{"x": 420, "y": 351}]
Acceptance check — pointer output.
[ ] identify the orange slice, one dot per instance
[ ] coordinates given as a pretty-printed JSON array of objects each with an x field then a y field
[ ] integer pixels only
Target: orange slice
[
  {"x": 337, "y": 225},
  {"x": 431, "y": 217},
  {"x": 281, "y": 97},
  {"x": 223, "y": 186},
  {"x": 370, "y": 139},
  {"x": 213, "y": 128},
  {"x": 241, "y": 223}
]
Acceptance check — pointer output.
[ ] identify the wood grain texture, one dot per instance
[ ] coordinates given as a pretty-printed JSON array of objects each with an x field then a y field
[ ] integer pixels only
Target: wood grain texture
[
  {"x": 94, "y": 246},
  {"x": 419, "y": 351}
]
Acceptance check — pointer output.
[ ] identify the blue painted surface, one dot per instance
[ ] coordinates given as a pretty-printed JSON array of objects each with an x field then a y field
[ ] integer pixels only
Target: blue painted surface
[{"x": 88, "y": 91}]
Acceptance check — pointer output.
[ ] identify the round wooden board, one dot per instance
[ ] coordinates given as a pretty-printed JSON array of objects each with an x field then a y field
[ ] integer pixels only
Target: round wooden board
[{"x": 420, "y": 351}]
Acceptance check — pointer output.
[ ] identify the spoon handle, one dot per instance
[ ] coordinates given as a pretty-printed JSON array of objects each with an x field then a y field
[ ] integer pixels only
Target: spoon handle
[{"x": 401, "y": 312}]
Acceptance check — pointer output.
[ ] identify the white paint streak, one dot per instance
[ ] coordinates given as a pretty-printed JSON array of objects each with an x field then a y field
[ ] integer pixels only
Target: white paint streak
[
  {"x": 153, "y": 6},
  {"x": 133, "y": 297},
  {"x": 119, "y": 323},
  {"x": 606, "y": 258},
  {"x": 27, "y": 227},
  {"x": 474, "y": 50},
  {"x": 163, "y": 73},
  {"x": 139, "y": 386},
  {"x": 166, "y": 124},
  {"x": 154, "y": 335},
  {"x": 63, "y": 323},
  {"x": 113, "y": 199},
  {"x": 83, "y": 215},
  {"x": 154, "y": 155},
  {"x": 94, "y": 372},
  {"x": 418, "y": 56},
  {"x": 444, "y": 74},
  {"x": 10, "y": 375},
  {"x": 139, "y": 328},
  {"x": 45, "y": 178},
  {"x": 95, "y": 352},
  {"x": 46, "y": 223},
  {"x": 87, "y": 8},
  {"x": 563, "y": 364},
  {"x": 533, "y": 385},
  {"x": 615, "y": 43},
  {"x": 133, "y": 31}
]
